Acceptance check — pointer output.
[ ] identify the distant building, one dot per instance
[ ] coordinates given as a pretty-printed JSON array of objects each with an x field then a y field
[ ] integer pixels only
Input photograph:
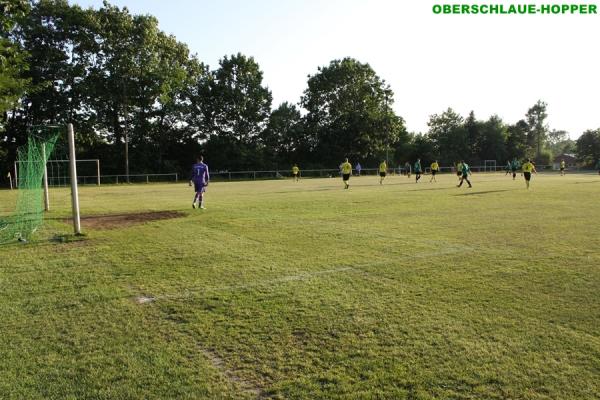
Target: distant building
[{"x": 570, "y": 160}]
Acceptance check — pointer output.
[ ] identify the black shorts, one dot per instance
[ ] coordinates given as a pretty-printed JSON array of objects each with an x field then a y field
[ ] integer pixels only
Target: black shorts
[
  {"x": 527, "y": 176},
  {"x": 346, "y": 177},
  {"x": 562, "y": 169},
  {"x": 459, "y": 174},
  {"x": 295, "y": 174},
  {"x": 382, "y": 174},
  {"x": 465, "y": 176},
  {"x": 433, "y": 172}
]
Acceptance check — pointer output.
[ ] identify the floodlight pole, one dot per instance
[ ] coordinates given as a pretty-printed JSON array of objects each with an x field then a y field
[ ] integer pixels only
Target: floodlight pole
[
  {"x": 387, "y": 129},
  {"x": 74, "y": 189},
  {"x": 46, "y": 195},
  {"x": 126, "y": 131}
]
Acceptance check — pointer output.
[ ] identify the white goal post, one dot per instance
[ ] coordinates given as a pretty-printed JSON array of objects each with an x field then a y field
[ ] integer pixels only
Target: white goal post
[{"x": 490, "y": 165}]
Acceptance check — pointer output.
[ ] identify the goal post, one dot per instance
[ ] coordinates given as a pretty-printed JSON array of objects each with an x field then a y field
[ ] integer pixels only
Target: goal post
[
  {"x": 490, "y": 165},
  {"x": 74, "y": 188}
]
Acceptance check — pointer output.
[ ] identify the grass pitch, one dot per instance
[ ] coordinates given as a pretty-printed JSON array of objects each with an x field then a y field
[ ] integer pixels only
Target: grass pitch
[{"x": 308, "y": 291}]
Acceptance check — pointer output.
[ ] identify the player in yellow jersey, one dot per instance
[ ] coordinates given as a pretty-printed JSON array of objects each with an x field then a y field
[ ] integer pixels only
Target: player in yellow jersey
[
  {"x": 346, "y": 168},
  {"x": 563, "y": 164},
  {"x": 295, "y": 172},
  {"x": 528, "y": 168},
  {"x": 382, "y": 172},
  {"x": 435, "y": 167}
]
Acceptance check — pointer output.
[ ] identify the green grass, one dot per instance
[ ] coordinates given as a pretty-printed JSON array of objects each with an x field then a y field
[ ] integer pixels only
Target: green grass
[{"x": 309, "y": 291}]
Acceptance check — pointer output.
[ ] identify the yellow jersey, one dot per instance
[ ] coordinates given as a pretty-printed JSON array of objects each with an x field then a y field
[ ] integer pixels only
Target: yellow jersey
[
  {"x": 346, "y": 168},
  {"x": 295, "y": 170},
  {"x": 528, "y": 167},
  {"x": 383, "y": 167},
  {"x": 562, "y": 164},
  {"x": 435, "y": 166}
]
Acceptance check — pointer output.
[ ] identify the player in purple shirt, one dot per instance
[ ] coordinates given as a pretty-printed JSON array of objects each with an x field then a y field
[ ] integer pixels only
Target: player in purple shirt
[{"x": 199, "y": 177}]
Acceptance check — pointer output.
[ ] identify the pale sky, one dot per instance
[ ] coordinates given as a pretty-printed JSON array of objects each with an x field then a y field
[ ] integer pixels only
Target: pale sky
[{"x": 498, "y": 64}]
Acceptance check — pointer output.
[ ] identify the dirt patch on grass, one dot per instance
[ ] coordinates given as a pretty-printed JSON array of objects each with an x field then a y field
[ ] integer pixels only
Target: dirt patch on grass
[
  {"x": 112, "y": 221},
  {"x": 232, "y": 376}
]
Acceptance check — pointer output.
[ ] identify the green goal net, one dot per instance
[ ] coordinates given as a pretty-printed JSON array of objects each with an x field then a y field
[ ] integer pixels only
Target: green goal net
[{"x": 32, "y": 158}]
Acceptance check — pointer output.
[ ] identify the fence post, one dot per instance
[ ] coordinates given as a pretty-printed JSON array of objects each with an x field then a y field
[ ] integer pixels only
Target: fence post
[
  {"x": 176, "y": 177},
  {"x": 147, "y": 181},
  {"x": 98, "y": 171},
  {"x": 117, "y": 179},
  {"x": 230, "y": 176}
]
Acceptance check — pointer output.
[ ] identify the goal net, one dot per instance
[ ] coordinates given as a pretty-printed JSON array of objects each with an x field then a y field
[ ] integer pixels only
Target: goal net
[{"x": 29, "y": 211}]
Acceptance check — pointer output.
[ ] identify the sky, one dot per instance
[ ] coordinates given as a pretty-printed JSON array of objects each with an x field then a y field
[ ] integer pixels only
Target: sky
[{"x": 491, "y": 64}]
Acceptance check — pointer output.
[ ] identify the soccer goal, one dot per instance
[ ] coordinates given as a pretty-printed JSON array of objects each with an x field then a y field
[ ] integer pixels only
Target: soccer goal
[
  {"x": 88, "y": 172},
  {"x": 489, "y": 165},
  {"x": 32, "y": 172}
]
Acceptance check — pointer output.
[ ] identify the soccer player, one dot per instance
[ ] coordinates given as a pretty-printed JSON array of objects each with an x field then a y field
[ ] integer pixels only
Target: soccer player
[
  {"x": 435, "y": 167},
  {"x": 507, "y": 168},
  {"x": 528, "y": 168},
  {"x": 199, "y": 177},
  {"x": 562, "y": 167},
  {"x": 296, "y": 172},
  {"x": 407, "y": 169},
  {"x": 465, "y": 172},
  {"x": 459, "y": 170},
  {"x": 514, "y": 166},
  {"x": 358, "y": 168},
  {"x": 417, "y": 170},
  {"x": 382, "y": 171},
  {"x": 346, "y": 168}
]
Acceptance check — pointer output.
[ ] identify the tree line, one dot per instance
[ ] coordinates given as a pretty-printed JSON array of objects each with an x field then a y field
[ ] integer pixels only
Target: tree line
[{"x": 117, "y": 77}]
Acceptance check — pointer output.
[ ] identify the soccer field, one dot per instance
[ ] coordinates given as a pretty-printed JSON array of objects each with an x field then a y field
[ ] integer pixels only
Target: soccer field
[{"x": 308, "y": 291}]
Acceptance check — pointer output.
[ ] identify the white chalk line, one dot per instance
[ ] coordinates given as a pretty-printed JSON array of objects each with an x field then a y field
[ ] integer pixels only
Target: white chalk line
[{"x": 358, "y": 268}]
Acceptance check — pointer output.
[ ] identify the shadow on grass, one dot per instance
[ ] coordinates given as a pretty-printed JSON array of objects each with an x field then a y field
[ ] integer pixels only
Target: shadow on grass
[
  {"x": 484, "y": 192},
  {"x": 72, "y": 239}
]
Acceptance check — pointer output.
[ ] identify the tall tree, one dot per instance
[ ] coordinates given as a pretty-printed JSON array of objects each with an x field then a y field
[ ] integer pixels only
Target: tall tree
[
  {"x": 12, "y": 56},
  {"x": 538, "y": 129},
  {"x": 516, "y": 140},
  {"x": 588, "y": 147},
  {"x": 241, "y": 103},
  {"x": 349, "y": 112},
  {"x": 283, "y": 139},
  {"x": 235, "y": 106},
  {"x": 493, "y": 139},
  {"x": 472, "y": 125},
  {"x": 449, "y": 136}
]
